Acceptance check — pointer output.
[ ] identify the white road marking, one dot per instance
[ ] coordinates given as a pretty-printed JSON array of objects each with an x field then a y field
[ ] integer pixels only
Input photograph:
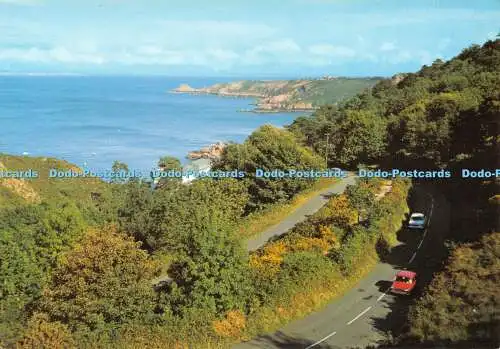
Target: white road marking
[
  {"x": 420, "y": 244},
  {"x": 381, "y": 296},
  {"x": 360, "y": 315},
  {"x": 322, "y": 340},
  {"x": 425, "y": 233},
  {"x": 412, "y": 258},
  {"x": 385, "y": 293}
]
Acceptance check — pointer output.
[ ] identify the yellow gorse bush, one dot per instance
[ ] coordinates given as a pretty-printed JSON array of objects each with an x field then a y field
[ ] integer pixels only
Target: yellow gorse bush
[
  {"x": 232, "y": 326},
  {"x": 268, "y": 261}
]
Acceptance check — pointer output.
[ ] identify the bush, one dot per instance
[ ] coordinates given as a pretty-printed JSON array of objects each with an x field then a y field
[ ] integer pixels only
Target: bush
[
  {"x": 270, "y": 148},
  {"x": 103, "y": 282},
  {"x": 352, "y": 249},
  {"x": 232, "y": 326},
  {"x": 300, "y": 267},
  {"x": 43, "y": 334},
  {"x": 462, "y": 301}
]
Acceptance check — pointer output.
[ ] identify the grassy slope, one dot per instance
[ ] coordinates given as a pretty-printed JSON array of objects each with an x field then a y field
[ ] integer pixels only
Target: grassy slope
[
  {"x": 317, "y": 92},
  {"x": 321, "y": 92},
  {"x": 78, "y": 189}
]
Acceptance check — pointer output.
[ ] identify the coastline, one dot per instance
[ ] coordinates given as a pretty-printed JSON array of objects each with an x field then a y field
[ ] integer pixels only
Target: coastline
[
  {"x": 258, "y": 109},
  {"x": 276, "y": 111},
  {"x": 275, "y": 96},
  {"x": 271, "y": 96}
]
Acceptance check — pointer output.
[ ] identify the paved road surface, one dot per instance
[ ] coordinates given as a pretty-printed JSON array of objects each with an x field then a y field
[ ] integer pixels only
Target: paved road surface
[
  {"x": 365, "y": 313},
  {"x": 299, "y": 215}
]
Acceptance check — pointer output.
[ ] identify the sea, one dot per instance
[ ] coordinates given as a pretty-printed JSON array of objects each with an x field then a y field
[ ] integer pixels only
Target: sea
[{"x": 92, "y": 121}]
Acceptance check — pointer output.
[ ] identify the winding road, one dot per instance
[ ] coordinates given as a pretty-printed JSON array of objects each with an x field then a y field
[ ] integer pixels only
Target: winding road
[
  {"x": 300, "y": 214},
  {"x": 365, "y": 314}
]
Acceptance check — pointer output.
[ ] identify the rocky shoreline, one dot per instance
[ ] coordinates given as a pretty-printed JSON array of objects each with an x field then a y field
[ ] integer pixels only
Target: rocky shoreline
[
  {"x": 213, "y": 151},
  {"x": 271, "y": 96},
  {"x": 274, "y": 96}
]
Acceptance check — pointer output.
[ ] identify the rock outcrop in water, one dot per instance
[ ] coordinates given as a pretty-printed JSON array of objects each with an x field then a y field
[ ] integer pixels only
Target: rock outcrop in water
[{"x": 213, "y": 151}]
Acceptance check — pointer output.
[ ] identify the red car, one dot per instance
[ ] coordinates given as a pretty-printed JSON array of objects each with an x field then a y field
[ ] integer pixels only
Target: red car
[{"x": 404, "y": 282}]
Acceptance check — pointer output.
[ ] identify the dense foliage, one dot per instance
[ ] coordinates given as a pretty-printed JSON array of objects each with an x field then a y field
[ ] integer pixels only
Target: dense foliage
[
  {"x": 445, "y": 111},
  {"x": 468, "y": 291},
  {"x": 103, "y": 282},
  {"x": 123, "y": 264},
  {"x": 166, "y": 218},
  {"x": 269, "y": 149}
]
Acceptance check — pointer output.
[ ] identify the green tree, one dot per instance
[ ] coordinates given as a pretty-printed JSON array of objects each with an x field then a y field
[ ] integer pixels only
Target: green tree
[
  {"x": 268, "y": 149},
  {"x": 32, "y": 237},
  {"x": 422, "y": 117},
  {"x": 177, "y": 213},
  {"x": 169, "y": 163},
  {"x": 212, "y": 277},
  {"x": 22, "y": 277},
  {"x": 360, "y": 137},
  {"x": 361, "y": 197},
  {"x": 166, "y": 164},
  {"x": 134, "y": 212},
  {"x": 103, "y": 282},
  {"x": 119, "y": 167}
]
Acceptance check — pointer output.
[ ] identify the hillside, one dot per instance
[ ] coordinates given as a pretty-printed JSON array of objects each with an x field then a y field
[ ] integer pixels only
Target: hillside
[
  {"x": 287, "y": 95},
  {"x": 44, "y": 188}
]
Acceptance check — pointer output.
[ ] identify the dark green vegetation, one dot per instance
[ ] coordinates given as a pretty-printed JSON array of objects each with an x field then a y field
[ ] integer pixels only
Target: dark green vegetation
[
  {"x": 461, "y": 303},
  {"x": 269, "y": 149},
  {"x": 443, "y": 113},
  {"x": 468, "y": 289},
  {"x": 78, "y": 257},
  {"x": 40, "y": 219}
]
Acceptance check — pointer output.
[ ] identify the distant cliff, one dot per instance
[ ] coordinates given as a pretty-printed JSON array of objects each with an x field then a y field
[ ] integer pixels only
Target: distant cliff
[{"x": 286, "y": 95}]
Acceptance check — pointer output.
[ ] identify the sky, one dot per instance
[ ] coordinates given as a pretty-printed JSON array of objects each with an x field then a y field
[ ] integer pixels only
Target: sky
[{"x": 289, "y": 38}]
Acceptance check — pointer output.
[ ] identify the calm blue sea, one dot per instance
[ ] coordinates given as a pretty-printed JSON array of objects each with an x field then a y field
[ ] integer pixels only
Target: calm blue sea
[{"x": 92, "y": 121}]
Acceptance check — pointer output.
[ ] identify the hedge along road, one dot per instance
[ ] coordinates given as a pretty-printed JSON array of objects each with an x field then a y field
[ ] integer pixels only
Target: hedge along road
[
  {"x": 363, "y": 315},
  {"x": 300, "y": 214}
]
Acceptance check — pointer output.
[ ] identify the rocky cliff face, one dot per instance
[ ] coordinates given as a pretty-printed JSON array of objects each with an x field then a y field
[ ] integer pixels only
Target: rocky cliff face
[
  {"x": 184, "y": 88},
  {"x": 280, "y": 95},
  {"x": 282, "y": 102}
]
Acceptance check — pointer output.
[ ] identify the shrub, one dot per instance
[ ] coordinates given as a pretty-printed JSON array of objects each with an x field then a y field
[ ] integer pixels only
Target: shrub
[
  {"x": 300, "y": 267},
  {"x": 352, "y": 249},
  {"x": 462, "y": 301},
  {"x": 104, "y": 281},
  {"x": 43, "y": 334},
  {"x": 213, "y": 277},
  {"x": 232, "y": 325}
]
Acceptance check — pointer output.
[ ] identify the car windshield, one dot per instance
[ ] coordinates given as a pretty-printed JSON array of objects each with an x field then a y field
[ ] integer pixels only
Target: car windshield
[
  {"x": 418, "y": 218},
  {"x": 404, "y": 279}
]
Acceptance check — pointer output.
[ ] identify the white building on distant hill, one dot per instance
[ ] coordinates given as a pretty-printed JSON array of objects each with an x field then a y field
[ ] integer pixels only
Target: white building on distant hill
[{"x": 195, "y": 169}]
